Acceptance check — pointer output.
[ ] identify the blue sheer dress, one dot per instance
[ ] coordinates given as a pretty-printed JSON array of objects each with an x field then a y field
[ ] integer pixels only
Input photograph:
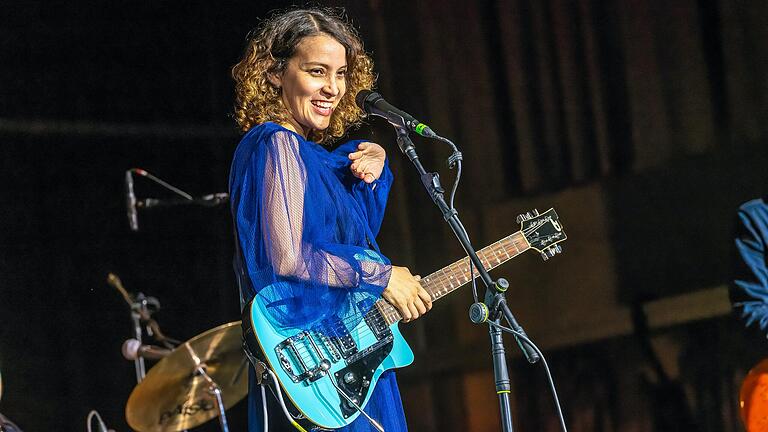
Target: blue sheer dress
[{"x": 306, "y": 231}]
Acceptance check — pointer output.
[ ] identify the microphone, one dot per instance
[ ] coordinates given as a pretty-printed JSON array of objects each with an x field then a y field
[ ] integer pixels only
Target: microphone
[
  {"x": 374, "y": 104},
  {"x": 133, "y": 349},
  {"x": 130, "y": 201}
]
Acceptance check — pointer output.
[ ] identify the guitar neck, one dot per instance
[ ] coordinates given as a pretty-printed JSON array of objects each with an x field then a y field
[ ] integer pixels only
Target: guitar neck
[{"x": 448, "y": 279}]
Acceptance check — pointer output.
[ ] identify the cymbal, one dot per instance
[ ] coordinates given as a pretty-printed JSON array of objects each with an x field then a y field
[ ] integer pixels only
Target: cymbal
[{"x": 174, "y": 396}]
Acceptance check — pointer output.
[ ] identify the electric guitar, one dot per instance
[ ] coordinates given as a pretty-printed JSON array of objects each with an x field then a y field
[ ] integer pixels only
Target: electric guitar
[{"x": 328, "y": 375}]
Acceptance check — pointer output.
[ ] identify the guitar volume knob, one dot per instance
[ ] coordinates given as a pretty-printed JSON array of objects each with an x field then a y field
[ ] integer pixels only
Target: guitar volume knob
[{"x": 350, "y": 377}]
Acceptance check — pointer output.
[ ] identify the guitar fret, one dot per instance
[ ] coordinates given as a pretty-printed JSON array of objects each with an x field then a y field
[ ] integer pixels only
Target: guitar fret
[{"x": 456, "y": 275}]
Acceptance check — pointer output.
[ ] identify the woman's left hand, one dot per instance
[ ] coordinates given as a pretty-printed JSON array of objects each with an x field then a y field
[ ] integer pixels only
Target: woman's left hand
[{"x": 368, "y": 161}]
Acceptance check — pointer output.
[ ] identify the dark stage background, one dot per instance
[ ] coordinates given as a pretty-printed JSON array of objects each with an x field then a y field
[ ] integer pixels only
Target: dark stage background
[{"x": 642, "y": 122}]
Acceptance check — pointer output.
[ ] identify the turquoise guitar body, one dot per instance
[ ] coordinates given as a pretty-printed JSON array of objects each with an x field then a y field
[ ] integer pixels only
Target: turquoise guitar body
[{"x": 356, "y": 358}]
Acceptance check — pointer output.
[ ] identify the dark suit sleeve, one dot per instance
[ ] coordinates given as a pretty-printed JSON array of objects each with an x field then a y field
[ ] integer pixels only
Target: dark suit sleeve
[{"x": 749, "y": 287}]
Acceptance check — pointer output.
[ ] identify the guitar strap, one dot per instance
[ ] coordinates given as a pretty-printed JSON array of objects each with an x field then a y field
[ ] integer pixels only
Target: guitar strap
[
  {"x": 241, "y": 274},
  {"x": 246, "y": 297}
]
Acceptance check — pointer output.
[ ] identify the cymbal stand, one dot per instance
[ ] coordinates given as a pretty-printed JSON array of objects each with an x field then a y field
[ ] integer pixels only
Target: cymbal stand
[
  {"x": 215, "y": 390},
  {"x": 142, "y": 308},
  {"x": 139, "y": 310}
]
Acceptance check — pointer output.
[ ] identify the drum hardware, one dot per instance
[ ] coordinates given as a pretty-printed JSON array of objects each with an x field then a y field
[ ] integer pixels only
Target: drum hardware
[
  {"x": 95, "y": 423},
  {"x": 199, "y": 380},
  {"x": 133, "y": 349},
  {"x": 142, "y": 308}
]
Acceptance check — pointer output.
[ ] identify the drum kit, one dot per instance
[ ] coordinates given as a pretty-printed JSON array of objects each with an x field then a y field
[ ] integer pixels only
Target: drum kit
[{"x": 193, "y": 382}]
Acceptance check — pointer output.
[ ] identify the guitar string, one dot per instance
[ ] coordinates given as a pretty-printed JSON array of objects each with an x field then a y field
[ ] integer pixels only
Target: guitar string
[
  {"x": 446, "y": 275},
  {"x": 493, "y": 251},
  {"x": 381, "y": 317},
  {"x": 440, "y": 277},
  {"x": 437, "y": 277}
]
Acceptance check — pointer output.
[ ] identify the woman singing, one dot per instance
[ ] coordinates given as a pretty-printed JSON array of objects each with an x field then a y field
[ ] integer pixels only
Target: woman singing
[{"x": 306, "y": 218}]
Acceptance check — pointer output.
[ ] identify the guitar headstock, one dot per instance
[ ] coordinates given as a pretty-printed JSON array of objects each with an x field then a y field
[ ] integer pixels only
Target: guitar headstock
[{"x": 543, "y": 232}]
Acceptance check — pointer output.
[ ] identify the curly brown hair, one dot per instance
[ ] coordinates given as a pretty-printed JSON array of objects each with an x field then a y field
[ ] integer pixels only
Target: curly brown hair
[{"x": 269, "y": 48}]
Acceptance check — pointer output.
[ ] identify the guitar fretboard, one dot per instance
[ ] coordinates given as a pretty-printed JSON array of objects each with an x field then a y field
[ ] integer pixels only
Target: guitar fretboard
[{"x": 448, "y": 279}]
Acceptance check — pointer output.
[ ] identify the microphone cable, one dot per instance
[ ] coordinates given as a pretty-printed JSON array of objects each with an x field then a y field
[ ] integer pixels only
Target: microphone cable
[
  {"x": 100, "y": 423},
  {"x": 546, "y": 369},
  {"x": 454, "y": 161}
]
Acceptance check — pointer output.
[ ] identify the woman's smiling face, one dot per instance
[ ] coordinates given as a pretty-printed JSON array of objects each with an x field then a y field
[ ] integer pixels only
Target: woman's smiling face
[{"x": 313, "y": 83}]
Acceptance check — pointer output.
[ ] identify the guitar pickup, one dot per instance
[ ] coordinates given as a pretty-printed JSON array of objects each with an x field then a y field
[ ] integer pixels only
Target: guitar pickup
[
  {"x": 339, "y": 335},
  {"x": 377, "y": 324}
]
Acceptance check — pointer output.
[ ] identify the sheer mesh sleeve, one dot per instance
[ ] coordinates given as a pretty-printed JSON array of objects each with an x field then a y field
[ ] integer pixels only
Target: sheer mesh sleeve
[
  {"x": 372, "y": 197},
  {"x": 303, "y": 240}
]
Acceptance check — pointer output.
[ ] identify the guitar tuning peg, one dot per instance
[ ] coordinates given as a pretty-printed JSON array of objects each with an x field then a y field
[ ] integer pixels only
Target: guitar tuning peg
[
  {"x": 557, "y": 249},
  {"x": 535, "y": 212},
  {"x": 530, "y": 216},
  {"x": 548, "y": 253},
  {"x": 521, "y": 218}
]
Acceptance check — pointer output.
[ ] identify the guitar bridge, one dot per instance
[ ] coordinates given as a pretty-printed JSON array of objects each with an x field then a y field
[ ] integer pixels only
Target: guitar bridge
[{"x": 302, "y": 352}]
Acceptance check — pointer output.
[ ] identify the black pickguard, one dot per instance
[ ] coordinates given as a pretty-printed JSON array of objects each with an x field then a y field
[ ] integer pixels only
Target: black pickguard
[{"x": 361, "y": 372}]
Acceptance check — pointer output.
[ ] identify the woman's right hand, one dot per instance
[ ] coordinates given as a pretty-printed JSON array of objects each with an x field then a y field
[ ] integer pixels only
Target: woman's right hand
[{"x": 405, "y": 293}]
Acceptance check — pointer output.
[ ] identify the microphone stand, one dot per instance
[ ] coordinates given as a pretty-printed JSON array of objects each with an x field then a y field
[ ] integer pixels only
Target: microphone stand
[
  {"x": 138, "y": 309},
  {"x": 142, "y": 308},
  {"x": 495, "y": 304},
  {"x": 211, "y": 200}
]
